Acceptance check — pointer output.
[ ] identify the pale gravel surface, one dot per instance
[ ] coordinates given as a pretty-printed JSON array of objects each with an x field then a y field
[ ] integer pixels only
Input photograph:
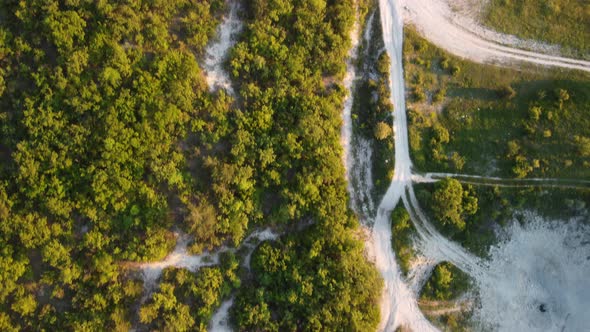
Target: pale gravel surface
[
  {"x": 361, "y": 179},
  {"x": 539, "y": 264}
]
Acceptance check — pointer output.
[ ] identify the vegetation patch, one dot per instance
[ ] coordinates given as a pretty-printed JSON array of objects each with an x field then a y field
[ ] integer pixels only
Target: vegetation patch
[
  {"x": 561, "y": 22},
  {"x": 372, "y": 108},
  {"x": 446, "y": 283},
  {"x": 403, "y": 232},
  {"x": 186, "y": 301},
  {"x": 440, "y": 299},
  {"x": 287, "y": 67},
  {"x": 488, "y": 120}
]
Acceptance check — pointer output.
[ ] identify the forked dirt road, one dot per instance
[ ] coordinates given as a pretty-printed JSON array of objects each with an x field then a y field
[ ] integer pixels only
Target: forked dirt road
[{"x": 433, "y": 18}]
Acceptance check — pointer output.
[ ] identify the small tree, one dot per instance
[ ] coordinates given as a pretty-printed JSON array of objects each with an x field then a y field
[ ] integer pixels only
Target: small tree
[
  {"x": 447, "y": 199},
  {"x": 562, "y": 96},
  {"x": 535, "y": 113},
  {"x": 547, "y": 133},
  {"x": 583, "y": 144},
  {"x": 507, "y": 92},
  {"x": 452, "y": 203},
  {"x": 442, "y": 282},
  {"x": 521, "y": 166},
  {"x": 513, "y": 149},
  {"x": 383, "y": 131},
  {"x": 383, "y": 64}
]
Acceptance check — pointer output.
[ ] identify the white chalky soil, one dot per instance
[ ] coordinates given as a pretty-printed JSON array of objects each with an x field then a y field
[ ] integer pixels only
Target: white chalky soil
[{"x": 538, "y": 279}]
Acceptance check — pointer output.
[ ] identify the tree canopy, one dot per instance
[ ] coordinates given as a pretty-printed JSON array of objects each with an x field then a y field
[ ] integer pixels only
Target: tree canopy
[
  {"x": 110, "y": 138},
  {"x": 451, "y": 203}
]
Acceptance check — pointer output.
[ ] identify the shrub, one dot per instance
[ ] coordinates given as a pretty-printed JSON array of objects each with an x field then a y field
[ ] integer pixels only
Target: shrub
[
  {"x": 507, "y": 92},
  {"x": 383, "y": 131}
]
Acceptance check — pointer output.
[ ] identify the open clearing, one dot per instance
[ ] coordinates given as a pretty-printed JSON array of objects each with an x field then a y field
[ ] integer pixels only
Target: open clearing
[{"x": 540, "y": 292}]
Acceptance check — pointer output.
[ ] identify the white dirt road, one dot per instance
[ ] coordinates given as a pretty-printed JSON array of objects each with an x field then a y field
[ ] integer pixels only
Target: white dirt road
[
  {"x": 463, "y": 37},
  {"x": 398, "y": 303},
  {"x": 503, "y": 182}
]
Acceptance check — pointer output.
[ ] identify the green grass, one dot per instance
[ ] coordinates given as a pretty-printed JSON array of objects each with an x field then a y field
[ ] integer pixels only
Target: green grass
[
  {"x": 561, "y": 22},
  {"x": 484, "y": 107}
]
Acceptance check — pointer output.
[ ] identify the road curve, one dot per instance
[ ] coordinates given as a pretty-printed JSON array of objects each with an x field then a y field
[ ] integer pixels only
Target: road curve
[{"x": 434, "y": 20}]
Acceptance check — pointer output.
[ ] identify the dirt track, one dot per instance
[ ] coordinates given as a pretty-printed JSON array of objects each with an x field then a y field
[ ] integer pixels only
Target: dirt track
[{"x": 463, "y": 37}]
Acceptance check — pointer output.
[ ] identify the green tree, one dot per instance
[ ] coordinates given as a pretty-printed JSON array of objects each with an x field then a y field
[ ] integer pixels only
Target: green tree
[
  {"x": 583, "y": 145},
  {"x": 383, "y": 131},
  {"x": 451, "y": 203}
]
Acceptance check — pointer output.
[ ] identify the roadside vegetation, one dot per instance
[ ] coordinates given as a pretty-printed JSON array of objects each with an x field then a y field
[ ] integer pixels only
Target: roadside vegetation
[
  {"x": 495, "y": 207},
  {"x": 489, "y": 120},
  {"x": 561, "y": 22},
  {"x": 110, "y": 138},
  {"x": 403, "y": 232},
  {"x": 446, "y": 283},
  {"x": 440, "y": 299},
  {"x": 185, "y": 301},
  {"x": 443, "y": 299},
  {"x": 372, "y": 108}
]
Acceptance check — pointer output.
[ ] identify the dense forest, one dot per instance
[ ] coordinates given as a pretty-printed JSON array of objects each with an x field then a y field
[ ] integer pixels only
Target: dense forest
[
  {"x": 286, "y": 65},
  {"x": 110, "y": 140}
]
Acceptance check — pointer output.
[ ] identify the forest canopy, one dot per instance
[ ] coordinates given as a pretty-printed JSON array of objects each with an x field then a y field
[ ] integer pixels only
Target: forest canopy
[{"x": 111, "y": 139}]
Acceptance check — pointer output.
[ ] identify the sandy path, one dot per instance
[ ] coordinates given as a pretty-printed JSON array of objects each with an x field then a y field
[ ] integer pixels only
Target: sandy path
[
  {"x": 437, "y": 247},
  {"x": 463, "y": 37},
  {"x": 346, "y": 130},
  {"x": 419, "y": 273},
  {"x": 217, "y": 51},
  {"x": 503, "y": 182},
  {"x": 358, "y": 152},
  {"x": 181, "y": 258},
  {"x": 398, "y": 304},
  {"x": 220, "y": 319},
  {"x": 439, "y": 308}
]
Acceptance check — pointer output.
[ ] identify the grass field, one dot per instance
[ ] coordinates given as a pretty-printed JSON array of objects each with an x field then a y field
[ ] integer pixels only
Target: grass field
[
  {"x": 492, "y": 120},
  {"x": 562, "y": 22}
]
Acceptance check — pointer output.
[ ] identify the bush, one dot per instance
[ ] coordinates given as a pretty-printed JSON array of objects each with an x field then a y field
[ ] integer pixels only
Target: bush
[
  {"x": 507, "y": 92},
  {"x": 451, "y": 204},
  {"x": 383, "y": 131}
]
